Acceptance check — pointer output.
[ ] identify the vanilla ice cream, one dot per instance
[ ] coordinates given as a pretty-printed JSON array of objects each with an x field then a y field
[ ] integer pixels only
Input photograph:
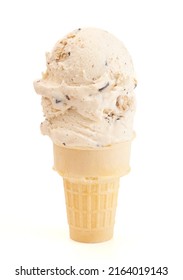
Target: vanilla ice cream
[{"x": 88, "y": 90}]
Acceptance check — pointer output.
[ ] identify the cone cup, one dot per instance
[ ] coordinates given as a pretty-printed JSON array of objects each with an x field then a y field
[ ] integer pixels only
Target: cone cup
[{"x": 91, "y": 183}]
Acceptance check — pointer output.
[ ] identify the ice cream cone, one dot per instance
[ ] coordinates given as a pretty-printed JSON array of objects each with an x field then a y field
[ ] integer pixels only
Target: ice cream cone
[
  {"x": 88, "y": 101},
  {"x": 91, "y": 182}
]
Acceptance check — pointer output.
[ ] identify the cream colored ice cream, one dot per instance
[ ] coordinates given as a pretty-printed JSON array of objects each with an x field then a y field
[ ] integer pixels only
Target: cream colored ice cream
[
  {"x": 88, "y": 102},
  {"x": 88, "y": 90}
]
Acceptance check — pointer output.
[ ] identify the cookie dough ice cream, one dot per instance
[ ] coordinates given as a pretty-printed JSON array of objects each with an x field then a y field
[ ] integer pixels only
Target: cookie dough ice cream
[
  {"x": 88, "y": 90},
  {"x": 89, "y": 104}
]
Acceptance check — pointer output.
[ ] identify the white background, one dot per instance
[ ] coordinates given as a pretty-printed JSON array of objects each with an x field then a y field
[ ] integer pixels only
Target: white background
[{"x": 33, "y": 225}]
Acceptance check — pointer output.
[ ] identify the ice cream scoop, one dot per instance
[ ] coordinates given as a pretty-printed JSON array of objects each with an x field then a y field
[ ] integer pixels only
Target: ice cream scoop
[
  {"x": 89, "y": 104},
  {"x": 87, "y": 90}
]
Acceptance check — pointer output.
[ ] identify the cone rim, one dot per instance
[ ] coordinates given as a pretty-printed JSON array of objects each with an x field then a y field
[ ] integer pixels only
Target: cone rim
[{"x": 107, "y": 147}]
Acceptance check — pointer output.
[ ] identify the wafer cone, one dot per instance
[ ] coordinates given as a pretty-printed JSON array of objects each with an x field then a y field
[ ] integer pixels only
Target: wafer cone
[{"x": 91, "y": 182}]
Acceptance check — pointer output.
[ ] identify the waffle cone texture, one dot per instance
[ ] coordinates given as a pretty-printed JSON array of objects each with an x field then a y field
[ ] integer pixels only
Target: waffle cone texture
[{"x": 91, "y": 183}]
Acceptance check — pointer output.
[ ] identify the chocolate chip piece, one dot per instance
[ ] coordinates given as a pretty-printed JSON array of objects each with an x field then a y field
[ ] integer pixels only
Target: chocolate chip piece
[
  {"x": 68, "y": 98},
  {"x": 104, "y": 87},
  {"x": 58, "y": 101}
]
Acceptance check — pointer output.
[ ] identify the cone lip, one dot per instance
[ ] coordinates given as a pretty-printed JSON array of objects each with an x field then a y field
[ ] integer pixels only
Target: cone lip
[
  {"x": 86, "y": 162},
  {"x": 108, "y": 147}
]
